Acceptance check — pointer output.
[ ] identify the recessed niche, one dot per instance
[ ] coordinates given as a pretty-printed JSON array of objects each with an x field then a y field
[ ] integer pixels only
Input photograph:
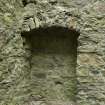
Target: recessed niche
[{"x": 52, "y": 59}]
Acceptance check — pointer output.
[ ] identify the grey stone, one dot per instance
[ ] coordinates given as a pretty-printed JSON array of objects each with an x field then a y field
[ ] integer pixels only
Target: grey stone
[{"x": 18, "y": 84}]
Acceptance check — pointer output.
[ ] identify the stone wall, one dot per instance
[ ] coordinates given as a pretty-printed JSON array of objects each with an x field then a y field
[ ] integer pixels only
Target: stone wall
[{"x": 84, "y": 16}]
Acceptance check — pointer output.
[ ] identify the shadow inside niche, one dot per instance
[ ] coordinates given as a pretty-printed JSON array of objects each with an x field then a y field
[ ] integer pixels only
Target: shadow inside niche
[{"x": 53, "y": 56}]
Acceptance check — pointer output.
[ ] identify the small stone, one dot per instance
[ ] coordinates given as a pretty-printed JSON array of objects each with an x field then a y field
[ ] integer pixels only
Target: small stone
[
  {"x": 37, "y": 23},
  {"x": 31, "y": 23},
  {"x": 25, "y": 28}
]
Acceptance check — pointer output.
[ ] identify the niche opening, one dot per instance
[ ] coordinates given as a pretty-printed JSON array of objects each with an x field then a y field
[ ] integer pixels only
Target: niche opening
[{"x": 52, "y": 57}]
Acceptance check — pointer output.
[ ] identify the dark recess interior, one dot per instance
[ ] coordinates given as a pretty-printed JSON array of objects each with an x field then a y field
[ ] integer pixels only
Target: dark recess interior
[{"x": 52, "y": 58}]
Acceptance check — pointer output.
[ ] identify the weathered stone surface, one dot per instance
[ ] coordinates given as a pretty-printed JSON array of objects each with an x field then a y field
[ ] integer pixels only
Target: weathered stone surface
[{"x": 84, "y": 16}]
